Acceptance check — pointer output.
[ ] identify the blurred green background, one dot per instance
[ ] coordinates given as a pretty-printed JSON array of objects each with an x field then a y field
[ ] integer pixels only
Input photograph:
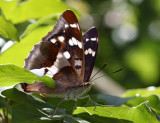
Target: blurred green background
[{"x": 129, "y": 33}]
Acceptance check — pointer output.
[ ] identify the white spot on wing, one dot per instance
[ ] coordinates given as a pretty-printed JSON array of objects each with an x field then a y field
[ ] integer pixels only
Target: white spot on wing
[
  {"x": 79, "y": 44},
  {"x": 93, "y": 53},
  {"x": 78, "y": 63},
  {"x": 71, "y": 42},
  {"x": 61, "y": 38},
  {"x": 39, "y": 72},
  {"x": 74, "y": 41},
  {"x": 93, "y": 39},
  {"x": 89, "y": 50},
  {"x": 66, "y": 54},
  {"x": 87, "y": 39},
  {"x": 66, "y": 25},
  {"x": 53, "y": 40},
  {"x": 86, "y": 52},
  {"x": 73, "y": 25}
]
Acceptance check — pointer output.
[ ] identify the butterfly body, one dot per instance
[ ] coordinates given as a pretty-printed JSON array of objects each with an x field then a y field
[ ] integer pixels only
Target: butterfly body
[{"x": 66, "y": 56}]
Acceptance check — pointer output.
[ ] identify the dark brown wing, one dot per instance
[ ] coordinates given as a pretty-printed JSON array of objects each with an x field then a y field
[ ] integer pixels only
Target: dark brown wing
[
  {"x": 68, "y": 37},
  {"x": 60, "y": 55},
  {"x": 41, "y": 56},
  {"x": 90, "y": 50}
]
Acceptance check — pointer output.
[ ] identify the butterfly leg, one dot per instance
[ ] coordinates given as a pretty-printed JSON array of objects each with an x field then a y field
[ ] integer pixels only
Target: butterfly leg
[
  {"x": 76, "y": 101},
  {"x": 58, "y": 106}
]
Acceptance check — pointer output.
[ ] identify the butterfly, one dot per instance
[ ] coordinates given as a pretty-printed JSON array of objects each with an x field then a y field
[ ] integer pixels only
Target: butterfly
[{"x": 66, "y": 56}]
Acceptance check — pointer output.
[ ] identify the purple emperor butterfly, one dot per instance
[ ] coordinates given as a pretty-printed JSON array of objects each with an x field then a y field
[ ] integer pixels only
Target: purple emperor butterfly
[{"x": 66, "y": 56}]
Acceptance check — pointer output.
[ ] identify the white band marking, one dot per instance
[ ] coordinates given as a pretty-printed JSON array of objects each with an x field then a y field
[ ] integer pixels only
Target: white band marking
[
  {"x": 61, "y": 38},
  {"x": 74, "y": 41},
  {"x": 53, "y": 40},
  {"x": 71, "y": 42},
  {"x": 67, "y": 55},
  {"x": 73, "y": 25},
  {"x": 93, "y": 39},
  {"x": 66, "y": 25}
]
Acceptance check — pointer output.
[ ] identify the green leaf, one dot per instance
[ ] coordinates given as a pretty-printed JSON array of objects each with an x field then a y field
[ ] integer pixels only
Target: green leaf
[
  {"x": 30, "y": 108},
  {"x": 51, "y": 19},
  {"x": 144, "y": 92},
  {"x": 21, "y": 113},
  {"x": 139, "y": 114},
  {"x": 7, "y": 29},
  {"x": 11, "y": 75},
  {"x": 23, "y": 98},
  {"x": 2, "y": 102},
  {"x": 109, "y": 99},
  {"x": 153, "y": 102},
  {"x": 22, "y": 11}
]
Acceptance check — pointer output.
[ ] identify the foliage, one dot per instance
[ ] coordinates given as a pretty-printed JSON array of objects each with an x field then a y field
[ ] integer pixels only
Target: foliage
[
  {"x": 136, "y": 105},
  {"x": 7, "y": 29},
  {"x": 129, "y": 39},
  {"x": 12, "y": 75}
]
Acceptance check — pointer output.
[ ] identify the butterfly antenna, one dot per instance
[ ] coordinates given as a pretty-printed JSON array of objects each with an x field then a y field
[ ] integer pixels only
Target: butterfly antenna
[
  {"x": 107, "y": 74},
  {"x": 98, "y": 71}
]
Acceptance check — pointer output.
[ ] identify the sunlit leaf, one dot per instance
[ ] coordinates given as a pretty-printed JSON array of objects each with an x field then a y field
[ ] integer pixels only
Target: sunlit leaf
[
  {"x": 139, "y": 114},
  {"x": 142, "y": 91},
  {"x": 31, "y": 9},
  {"x": 45, "y": 20},
  {"x": 7, "y": 29},
  {"x": 12, "y": 75},
  {"x": 153, "y": 102}
]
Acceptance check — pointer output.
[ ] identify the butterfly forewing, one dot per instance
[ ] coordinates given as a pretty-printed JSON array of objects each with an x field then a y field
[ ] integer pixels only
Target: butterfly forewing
[
  {"x": 41, "y": 56},
  {"x": 90, "y": 50},
  {"x": 67, "y": 36}
]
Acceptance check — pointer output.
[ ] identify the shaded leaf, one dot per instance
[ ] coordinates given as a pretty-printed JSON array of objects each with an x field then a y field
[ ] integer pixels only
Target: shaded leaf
[
  {"x": 70, "y": 120},
  {"x": 21, "y": 113},
  {"x": 12, "y": 75},
  {"x": 30, "y": 108},
  {"x": 109, "y": 99},
  {"x": 2, "y": 102}
]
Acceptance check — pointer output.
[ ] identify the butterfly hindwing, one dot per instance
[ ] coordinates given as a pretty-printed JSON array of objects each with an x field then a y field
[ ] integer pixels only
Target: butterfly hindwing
[{"x": 90, "y": 51}]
